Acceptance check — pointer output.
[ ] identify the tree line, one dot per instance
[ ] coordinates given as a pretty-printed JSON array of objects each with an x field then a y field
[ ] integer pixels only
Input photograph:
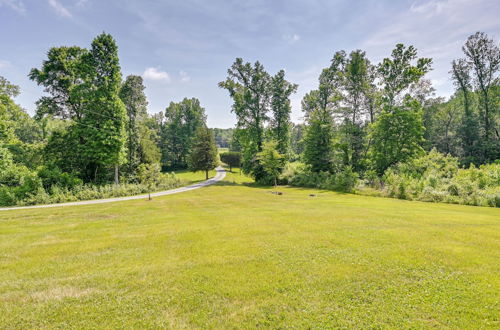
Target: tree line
[
  {"x": 364, "y": 118},
  {"x": 92, "y": 127}
]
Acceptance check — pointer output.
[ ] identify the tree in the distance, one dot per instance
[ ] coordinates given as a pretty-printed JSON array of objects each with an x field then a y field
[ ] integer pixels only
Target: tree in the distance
[
  {"x": 231, "y": 158},
  {"x": 180, "y": 122},
  {"x": 203, "y": 156}
]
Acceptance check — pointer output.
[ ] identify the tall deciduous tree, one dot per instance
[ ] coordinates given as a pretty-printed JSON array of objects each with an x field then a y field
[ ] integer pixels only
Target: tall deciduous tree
[
  {"x": 318, "y": 141},
  {"x": 281, "y": 124},
  {"x": 469, "y": 126},
  {"x": 248, "y": 86},
  {"x": 397, "y": 135},
  {"x": 203, "y": 155},
  {"x": 132, "y": 95},
  {"x": 105, "y": 113},
  {"x": 319, "y": 106},
  {"x": 398, "y": 73},
  {"x": 483, "y": 56},
  {"x": 83, "y": 87}
]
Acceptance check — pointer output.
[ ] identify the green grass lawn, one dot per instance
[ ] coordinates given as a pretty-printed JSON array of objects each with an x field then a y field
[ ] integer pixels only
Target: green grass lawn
[
  {"x": 189, "y": 177},
  {"x": 237, "y": 256}
]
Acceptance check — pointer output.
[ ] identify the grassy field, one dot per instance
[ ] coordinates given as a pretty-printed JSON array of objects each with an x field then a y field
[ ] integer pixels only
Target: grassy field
[
  {"x": 237, "y": 256},
  {"x": 189, "y": 177}
]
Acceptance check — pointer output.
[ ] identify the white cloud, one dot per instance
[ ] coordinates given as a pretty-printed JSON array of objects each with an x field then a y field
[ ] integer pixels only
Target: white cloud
[
  {"x": 60, "y": 9},
  {"x": 4, "y": 64},
  {"x": 16, "y": 5},
  {"x": 292, "y": 38},
  {"x": 81, "y": 3},
  {"x": 430, "y": 8},
  {"x": 156, "y": 75},
  {"x": 438, "y": 29},
  {"x": 184, "y": 77}
]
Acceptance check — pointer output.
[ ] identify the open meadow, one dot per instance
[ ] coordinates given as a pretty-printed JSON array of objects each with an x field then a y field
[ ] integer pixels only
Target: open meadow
[{"x": 235, "y": 255}]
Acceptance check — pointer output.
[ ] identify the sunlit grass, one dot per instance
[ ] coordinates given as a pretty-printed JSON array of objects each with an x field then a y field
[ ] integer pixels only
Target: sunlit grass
[
  {"x": 237, "y": 256},
  {"x": 189, "y": 177}
]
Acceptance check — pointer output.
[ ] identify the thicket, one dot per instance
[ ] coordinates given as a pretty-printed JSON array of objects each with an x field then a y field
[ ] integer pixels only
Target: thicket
[{"x": 436, "y": 177}]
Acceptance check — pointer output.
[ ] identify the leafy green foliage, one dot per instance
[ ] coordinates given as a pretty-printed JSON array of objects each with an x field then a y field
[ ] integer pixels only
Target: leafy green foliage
[
  {"x": 203, "y": 155},
  {"x": 248, "y": 86},
  {"x": 318, "y": 142},
  {"x": 231, "y": 158},
  {"x": 280, "y": 124},
  {"x": 134, "y": 99},
  {"x": 149, "y": 174},
  {"x": 398, "y": 73},
  {"x": 397, "y": 135},
  {"x": 271, "y": 160},
  {"x": 178, "y": 128},
  {"x": 438, "y": 178},
  {"x": 301, "y": 175},
  {"x": 83, "y": 86}
]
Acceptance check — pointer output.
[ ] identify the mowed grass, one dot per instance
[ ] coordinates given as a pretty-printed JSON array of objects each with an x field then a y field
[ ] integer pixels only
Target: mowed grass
[
  {"x": 237, "y": 256},
  {"x": 189, "y": 177}
]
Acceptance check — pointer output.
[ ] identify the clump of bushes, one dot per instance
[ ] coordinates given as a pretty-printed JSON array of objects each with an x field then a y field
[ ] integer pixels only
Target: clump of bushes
[
  {"x": 21, "y": 186},
  {"x": 61, "y": 194},
  {"x": 300, "y": 175},
  {"x": 436, "y": 177}
]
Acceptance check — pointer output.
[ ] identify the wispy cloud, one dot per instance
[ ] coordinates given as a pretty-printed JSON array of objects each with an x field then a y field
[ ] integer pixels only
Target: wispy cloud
[
  {"x": 155, "y": 74},
  {"x": 4, "y": 64},
  {"x": 184, "y": 77},
  {"x": 16, "y": 5},
  {"x": 60, "y": 9},
  {"x": 419, "y": 24},
  {"x": 82, "y": 3},
  {"x": 292, "y": 38}
]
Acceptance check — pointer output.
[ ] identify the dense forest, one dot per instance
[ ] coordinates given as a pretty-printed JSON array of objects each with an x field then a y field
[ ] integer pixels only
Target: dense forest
[{"x": 374, "y": 128}]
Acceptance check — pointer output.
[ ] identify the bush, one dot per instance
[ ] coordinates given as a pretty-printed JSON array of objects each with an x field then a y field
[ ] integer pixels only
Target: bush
[
  {"x": 300, "y": 175},
  {"x": 52, "y": 176},
  {"x": 437, "y": 178},
  {"x": 32, "y": 192}
]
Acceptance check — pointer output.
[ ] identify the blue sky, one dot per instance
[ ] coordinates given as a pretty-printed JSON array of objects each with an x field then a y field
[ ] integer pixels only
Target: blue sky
[{"x": 183, "y": 48}]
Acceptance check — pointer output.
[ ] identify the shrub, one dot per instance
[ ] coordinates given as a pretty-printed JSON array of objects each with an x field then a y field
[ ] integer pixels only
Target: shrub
[
  {"x": 32, "y": 192},
  {"x": 300, "y": 175},
  {"x": 437, "y": 178},
  {"x": 51, "y": 176}
]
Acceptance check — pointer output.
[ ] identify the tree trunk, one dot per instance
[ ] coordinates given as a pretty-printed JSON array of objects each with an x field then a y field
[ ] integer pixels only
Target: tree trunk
[
  {"x": 149, "y": 195},
  {"x": 206, "y": 174},
  {"x": 117, "y": 181}
]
